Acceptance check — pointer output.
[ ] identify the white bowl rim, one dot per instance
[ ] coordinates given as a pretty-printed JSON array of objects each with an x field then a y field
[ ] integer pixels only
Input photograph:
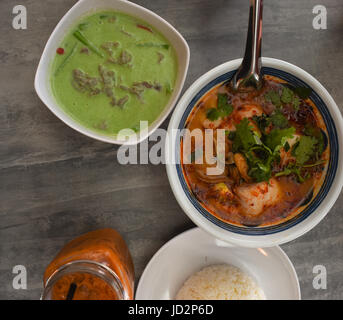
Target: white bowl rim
[
  {"x": 268, "y": 240},
  {"x": 139, "y": 10},
  {"x": 278, "y": 250}
]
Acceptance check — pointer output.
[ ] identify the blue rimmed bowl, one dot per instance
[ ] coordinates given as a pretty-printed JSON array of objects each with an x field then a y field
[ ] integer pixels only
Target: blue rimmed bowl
[{"x": 311, "y": 214}]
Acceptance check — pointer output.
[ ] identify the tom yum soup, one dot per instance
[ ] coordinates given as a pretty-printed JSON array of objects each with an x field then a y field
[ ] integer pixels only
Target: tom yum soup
[
  {"x": 112, "y": 71},
  {"x": 255, "y": 159}
]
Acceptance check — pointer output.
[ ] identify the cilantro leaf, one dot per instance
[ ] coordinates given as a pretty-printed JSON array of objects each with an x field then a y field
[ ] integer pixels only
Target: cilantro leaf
[
  {"x": 260, "y": 175},
  {"x": 260, "y": 164},
  {"x": 259, "y": 156},
  {"x": 304, "y": 149},
  {"x": 314, "y": 164},
  {"x": 302, "y": 92},
  {"x": 278, "y": 119},
  {"x": 262, "y": 121},
  {"x": 213, "y": 114},
  {"x": 274, "y": 97},
  {"x": 321, "y": 146},
  {"x": 286, "y": 172},
  {"x": 231, "y": 135},
  {"x": 244, "y": 138},
  {"x": 259, "y": 152},
  {"x": 291, "y": 169},
  {"x": 287, "y": 146},
  {"x": 262, "y": 151},
  {"x": 223, "y": 105},
  {"x": 296, "y": 103},
  {"x": 287, "y": 95},
  {"x": 320, "y": 136},
  {"x": 223, "y": 109},
  {"x": 278, "y": 137}
]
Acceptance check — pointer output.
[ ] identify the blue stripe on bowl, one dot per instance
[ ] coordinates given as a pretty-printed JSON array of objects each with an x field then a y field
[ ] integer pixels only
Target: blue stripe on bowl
[{"x": 332, "y": 166}]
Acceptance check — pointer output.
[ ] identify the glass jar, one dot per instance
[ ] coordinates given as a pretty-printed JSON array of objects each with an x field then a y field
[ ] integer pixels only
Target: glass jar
[{"x": 95, "y": 266}]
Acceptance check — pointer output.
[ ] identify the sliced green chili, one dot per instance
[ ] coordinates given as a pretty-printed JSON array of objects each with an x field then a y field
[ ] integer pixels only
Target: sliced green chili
[
  {"x": 80, "y": 36},
  {"x": 63, "y": 63}
]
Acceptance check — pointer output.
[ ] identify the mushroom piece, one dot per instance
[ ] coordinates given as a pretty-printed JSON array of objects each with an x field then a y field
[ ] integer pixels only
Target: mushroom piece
[
  {"x": 242, "y": 166},
  {"x": 223, "y": 192}
]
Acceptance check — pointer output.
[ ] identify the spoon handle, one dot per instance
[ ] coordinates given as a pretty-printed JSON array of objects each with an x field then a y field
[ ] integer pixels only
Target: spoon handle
[{"x": 249, "y": 73}]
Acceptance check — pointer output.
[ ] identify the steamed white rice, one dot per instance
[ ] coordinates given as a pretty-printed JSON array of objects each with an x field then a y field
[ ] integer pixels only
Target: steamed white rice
[{"x": 220, "y": 282}]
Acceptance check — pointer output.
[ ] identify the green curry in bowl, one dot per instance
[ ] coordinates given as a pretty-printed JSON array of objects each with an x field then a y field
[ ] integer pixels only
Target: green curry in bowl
[{"x": 112, "y": 71}]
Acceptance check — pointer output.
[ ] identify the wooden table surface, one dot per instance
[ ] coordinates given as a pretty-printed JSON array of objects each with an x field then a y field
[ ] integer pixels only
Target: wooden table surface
[{"x": 56, "y": 184}]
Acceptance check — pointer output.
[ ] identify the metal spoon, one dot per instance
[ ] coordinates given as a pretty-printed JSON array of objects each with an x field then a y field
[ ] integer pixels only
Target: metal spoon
[{"x": 248, "y": 77}]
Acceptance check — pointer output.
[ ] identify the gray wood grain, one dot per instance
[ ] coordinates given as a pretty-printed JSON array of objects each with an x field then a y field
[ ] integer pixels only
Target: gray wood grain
[{"x": 56, "y": 184}]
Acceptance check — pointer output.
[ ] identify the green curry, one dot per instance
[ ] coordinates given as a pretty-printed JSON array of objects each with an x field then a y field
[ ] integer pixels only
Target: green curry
[{"x": 112, "y": 71}]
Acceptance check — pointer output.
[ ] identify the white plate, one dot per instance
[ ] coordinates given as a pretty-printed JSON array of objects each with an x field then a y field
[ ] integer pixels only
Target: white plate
[
  {"x": 79, "y": 10},
  {"x": 194, "y": 249}
]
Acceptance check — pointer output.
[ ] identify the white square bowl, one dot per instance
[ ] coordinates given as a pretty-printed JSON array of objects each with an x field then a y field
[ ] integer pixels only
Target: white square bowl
[{"x": 79, "y": 10}]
